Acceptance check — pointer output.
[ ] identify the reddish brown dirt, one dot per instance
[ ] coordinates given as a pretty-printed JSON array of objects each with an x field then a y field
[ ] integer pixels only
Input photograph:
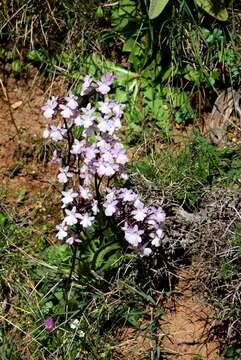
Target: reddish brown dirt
[
  {"x": 187, "y": 324},
  {"x": 184, "y": 330},
  {"x": 25, "y": 182}
]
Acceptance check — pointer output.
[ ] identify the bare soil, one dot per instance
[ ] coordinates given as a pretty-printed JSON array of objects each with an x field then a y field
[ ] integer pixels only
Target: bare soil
[
  {"x": 23, "y": 174},
  {"x": 188, "y": 323}
]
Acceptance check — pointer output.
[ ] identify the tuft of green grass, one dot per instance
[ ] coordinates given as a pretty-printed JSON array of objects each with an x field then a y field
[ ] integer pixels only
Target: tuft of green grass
[{"x": 195, "y": 166}]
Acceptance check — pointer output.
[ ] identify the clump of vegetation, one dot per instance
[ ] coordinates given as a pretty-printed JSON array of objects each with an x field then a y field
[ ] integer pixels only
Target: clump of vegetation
[
  {"x": 184, "y": 173},
  {"x": 218, "y": 248}
]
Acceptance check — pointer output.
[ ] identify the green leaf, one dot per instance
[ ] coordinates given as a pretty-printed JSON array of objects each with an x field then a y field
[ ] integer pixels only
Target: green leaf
[
  {"x": 129, "y": 45},
  {"x": 123, "y": 14},
  {"x": 3, "y": 218},
  {"x": 134, "y": 290},
  {"x": 214, "y": 8},
  {"x": 108, "y": 256},
  {"x": 16, "y": 66},
  {"x": 99, "y": 12},
  {"x": 36, "y": 55},
  {"x": 156, "y": 7},
  {"x": 56, "y": 255}
]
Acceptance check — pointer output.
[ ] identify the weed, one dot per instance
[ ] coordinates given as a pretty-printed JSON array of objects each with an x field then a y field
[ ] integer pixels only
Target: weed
[
  {"x": 233, "y": 353},
  {"x": 197, "y": 165}
]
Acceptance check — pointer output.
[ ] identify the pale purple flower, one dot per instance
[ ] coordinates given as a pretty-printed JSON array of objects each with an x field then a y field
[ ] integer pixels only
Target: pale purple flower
[
  {"x": 49, "y": 107},
  {"x": 156, "y": 241},
  {"x": 120, "y": 154},
  {"x": 48, "y": 112},
  {"x": 56, "y": 132},
  {"x": 139, "y": 214},
  {"x": 124, "y": 176},
  {"x": 66, "y": 111},
  {"x": 77, "y": 147},
  {"x": 122, "y": 158},
  {"x": 87, "y": 122},
  {"x": 64, "y": 174},
  {"x": 103, "y": 125},
  {"x": 85, "y": 193},
  {"x": 105, "y": 107},
  {"x": 62, "y": 231},
  {"x": 104, "y": 169},
  {"x": 103, "y": 145},
  {"x": 110, "y": 207},
  {"x": 71, "y": 101},
  {"x": 102, "y": 88},
  {"x": 108, "y": 78},
  {"x": 104, "y": 85},
  {"x": 156, "y": 237},
  {"x": 160, "y": 233},
  {"x": 138, "y": 204},
  {"x": 78, "y": 120},
  {"x": 68, "y": 197},
  {"x": 72, "y": 216},
  {"x": 107, "y": 157},
  {"x": 132, "y": 234},
  {"x": 128, "y": 195},
  {"x": 90, "y": 153},
  {"x": 46, "y": 132},
  {"x": 49, "y": 324},
  {"x": 73, "y": 239},
  {"x": 145, "y": 251},
  {"x": 160, "y": 215},
  {"x": 86, "y": 220},
  {"x": 111, "y": 194},
  {"x": 86, "y": 87},
  {"x": 117, "y": 109},
  {"x": 94, "y": 207},
  {"x": 55, "y": 159},
  {"x": 88, "y": 116}
]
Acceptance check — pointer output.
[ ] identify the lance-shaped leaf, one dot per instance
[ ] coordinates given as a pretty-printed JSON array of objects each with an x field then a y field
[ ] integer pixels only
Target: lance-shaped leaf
[
  {"x": 214, "y": 8},
  {"x": 156, "y": 7}
]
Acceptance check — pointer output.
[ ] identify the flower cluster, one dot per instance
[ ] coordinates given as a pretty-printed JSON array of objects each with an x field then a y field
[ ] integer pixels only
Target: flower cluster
[
  {"x": 143, "y": 225},
  {"x": 93, "y": 155}
]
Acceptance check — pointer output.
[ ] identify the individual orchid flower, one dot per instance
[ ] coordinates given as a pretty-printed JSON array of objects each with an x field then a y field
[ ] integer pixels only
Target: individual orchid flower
[
  {"x": 72, "y": 216},
  {"x": 64, "y": 174},
  {"x": 68, "y": 197},
  {"x": 87, "y": 85},
  {"x": 62, "y": 231},
  {"x": 50, "y": 107}
]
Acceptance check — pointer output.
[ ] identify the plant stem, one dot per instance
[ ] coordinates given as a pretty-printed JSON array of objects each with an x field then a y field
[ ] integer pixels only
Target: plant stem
[{"x": 68, "y": 281}]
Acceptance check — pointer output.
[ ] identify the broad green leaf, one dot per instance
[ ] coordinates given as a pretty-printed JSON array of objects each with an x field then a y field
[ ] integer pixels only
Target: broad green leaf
[
  {"x": 129, "y": 45},
  {"x": 214, "y": 8},
  {"x": 156, "y": 7},
  {"x": 107, "y": 256}
]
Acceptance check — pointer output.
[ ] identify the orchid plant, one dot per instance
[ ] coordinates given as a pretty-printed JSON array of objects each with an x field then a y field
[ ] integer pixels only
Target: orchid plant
[{"x": 91, "y": 160}]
